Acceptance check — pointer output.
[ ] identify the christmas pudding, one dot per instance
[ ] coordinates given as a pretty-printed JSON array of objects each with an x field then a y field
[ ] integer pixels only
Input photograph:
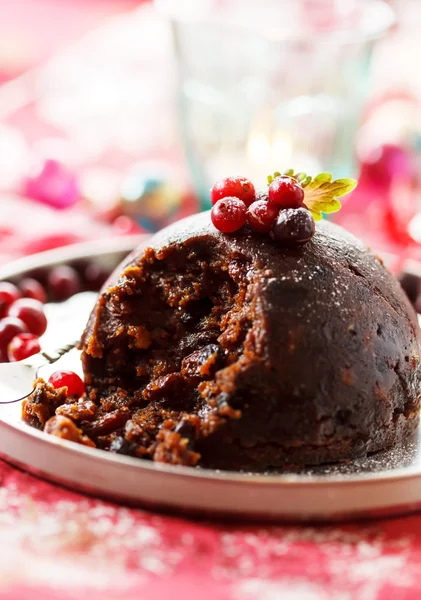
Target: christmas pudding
[{"x": 248, "y": 338}]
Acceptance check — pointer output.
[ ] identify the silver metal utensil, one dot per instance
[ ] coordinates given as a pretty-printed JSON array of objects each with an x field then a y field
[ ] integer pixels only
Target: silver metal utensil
[
  {"x": 18, "y": 378},
  {"x": 66, "y": 323}
]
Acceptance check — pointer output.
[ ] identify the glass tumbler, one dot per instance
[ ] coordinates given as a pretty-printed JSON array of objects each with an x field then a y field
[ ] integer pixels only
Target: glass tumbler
[{"x": 271, "y": 84}]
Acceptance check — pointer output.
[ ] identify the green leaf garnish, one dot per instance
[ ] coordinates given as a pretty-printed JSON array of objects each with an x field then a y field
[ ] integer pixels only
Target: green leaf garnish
[{"x": 320, "y": 193}]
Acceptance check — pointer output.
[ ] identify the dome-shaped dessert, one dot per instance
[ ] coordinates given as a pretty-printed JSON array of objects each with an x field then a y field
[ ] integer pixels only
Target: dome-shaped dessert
[{"x": 230, "y": 351}]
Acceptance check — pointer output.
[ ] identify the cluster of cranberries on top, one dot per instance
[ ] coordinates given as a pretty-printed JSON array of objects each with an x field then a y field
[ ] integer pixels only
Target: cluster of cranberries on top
[{"x": 280, "y": 211}]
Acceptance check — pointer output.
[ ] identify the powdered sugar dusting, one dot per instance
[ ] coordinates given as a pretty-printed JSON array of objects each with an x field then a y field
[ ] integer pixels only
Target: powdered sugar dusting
[{"x": 352, "y": 562}]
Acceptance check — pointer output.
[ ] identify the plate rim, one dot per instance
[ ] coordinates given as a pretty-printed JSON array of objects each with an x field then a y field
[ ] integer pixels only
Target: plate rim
[
  {"x": 78, "y": 250},
  {"x": 215, "y": 474}
]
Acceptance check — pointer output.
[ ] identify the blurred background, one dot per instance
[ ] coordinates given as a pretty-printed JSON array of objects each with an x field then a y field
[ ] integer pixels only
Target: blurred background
[{"x": 117, "y": 116}]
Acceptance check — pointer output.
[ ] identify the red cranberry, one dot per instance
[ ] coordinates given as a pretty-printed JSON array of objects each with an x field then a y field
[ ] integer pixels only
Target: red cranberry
[
  {"x": 22, "y": 346},
  {"x": 9, "y": 327},
  {"x": 94, "y": 276},
  {"x": 239, "y": 187},
  {"x": 31, "y": 312},
  {"x": 286, "y": 192},
  {"x": 69, "y": 379},
  {"x": 229, "y": 214},
  {"x": 31, "y": 288},
  {"x": 261, "y": 215},
  {"x": 294, "y": 226},
  {"x": 63, "y": 282},
  {"x": 9, "y": 293}
]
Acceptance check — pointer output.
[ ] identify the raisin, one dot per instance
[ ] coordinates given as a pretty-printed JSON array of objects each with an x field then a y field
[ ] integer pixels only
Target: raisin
[
  {"x": 186, "y": 429},
  {"x": 204, "y": 362},
  {"x": 108, "y": 423},
  {"x": 64, "y": 428}
]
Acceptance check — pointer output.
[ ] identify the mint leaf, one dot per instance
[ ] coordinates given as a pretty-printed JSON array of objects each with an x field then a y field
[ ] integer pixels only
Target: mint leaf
[
  {"x": 322, "y": 178},
  {"x": 320, "y": 193}
]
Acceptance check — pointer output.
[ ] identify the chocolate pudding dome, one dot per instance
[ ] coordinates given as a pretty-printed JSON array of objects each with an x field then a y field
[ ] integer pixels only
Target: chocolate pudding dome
[{"x": 251, "y": 338}]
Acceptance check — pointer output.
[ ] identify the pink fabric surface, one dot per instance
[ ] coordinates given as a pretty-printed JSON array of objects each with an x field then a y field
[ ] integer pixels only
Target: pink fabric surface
[
  {"x": 26, "y": 35},
  {"x": 63, "y": 545}
]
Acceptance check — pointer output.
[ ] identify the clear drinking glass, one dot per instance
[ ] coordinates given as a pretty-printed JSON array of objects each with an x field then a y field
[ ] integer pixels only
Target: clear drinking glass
[{"x": 265, "y": 85}]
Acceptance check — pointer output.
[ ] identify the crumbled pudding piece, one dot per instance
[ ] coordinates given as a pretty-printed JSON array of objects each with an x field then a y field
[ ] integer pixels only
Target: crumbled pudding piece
[
  {"x": 79, "y": 421},
  {"x": 41, "y": 405}
]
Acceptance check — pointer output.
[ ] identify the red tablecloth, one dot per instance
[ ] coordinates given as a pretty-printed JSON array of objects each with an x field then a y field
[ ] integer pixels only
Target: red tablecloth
[{"x": 62, "y": 545}]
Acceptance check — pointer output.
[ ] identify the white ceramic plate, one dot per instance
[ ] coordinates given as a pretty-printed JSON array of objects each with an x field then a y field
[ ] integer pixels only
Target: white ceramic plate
[{"x": 383, "y": 484}]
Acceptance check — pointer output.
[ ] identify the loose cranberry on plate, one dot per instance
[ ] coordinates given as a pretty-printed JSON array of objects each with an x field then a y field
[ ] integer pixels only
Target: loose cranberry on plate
[
  {"x": 9, "y": 327},
  {"x": 239, "y": 187},
  {"x": 94, "y": 276},
  {"x": 63, "y": 282},
  {"x": 22, "y": 346},
  {"x": 9, "y": 293},
  {"x": 69, "y": 379},
  {"x": 31, "y": 312},
  {"x": 229, "y": 214},
  {"x": 261, "y": 215},
  {"x": 31, "y": 288},
  {"x": 286, "y": 192}
]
